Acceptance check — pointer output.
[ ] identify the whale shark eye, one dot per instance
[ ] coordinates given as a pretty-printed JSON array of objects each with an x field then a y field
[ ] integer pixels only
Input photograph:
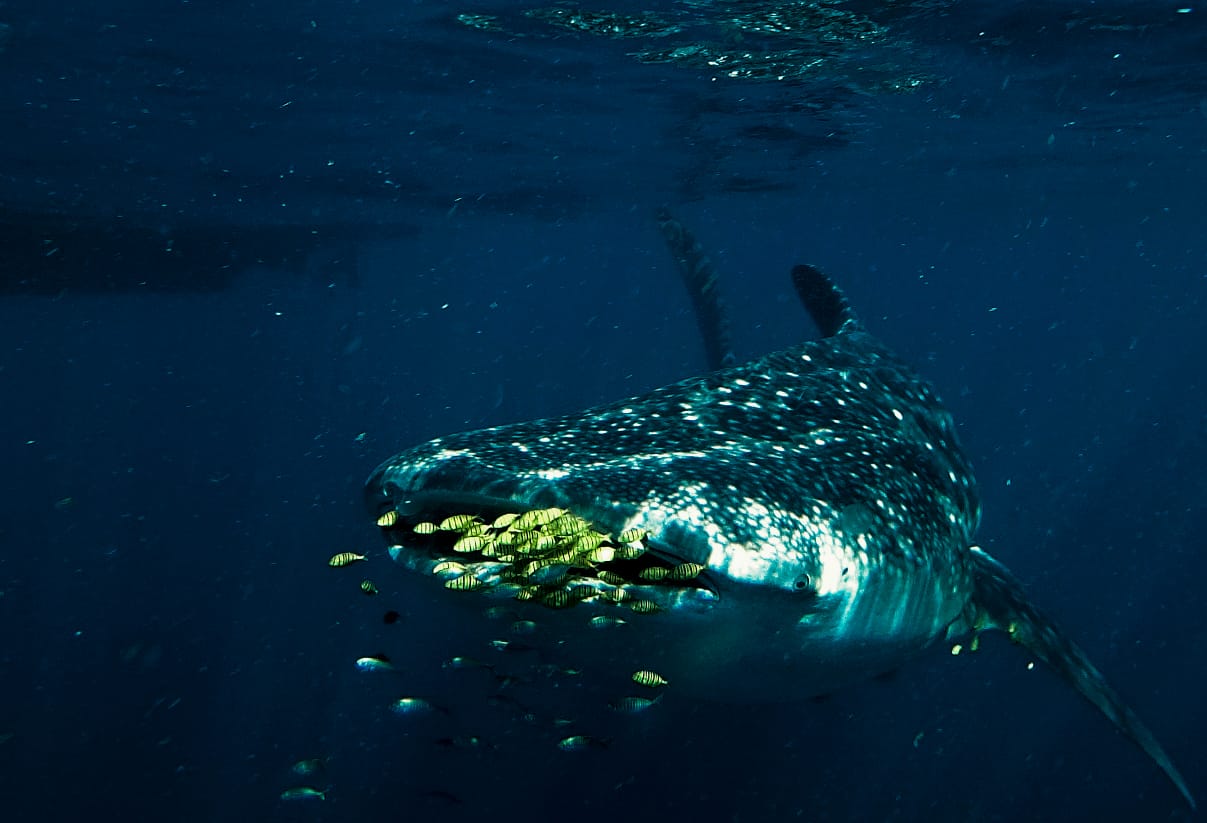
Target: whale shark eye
[{"x": 802, "y": 583}]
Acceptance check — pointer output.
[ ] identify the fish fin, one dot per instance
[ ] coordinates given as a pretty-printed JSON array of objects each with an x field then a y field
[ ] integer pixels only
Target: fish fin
[
  {"x": 700, "y": 278},
  {"x": 999, "y": 602},
  {"x": 824, "y": 301}
]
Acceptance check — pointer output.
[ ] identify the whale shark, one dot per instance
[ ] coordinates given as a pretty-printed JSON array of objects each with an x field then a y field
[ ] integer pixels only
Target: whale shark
[{"x": 818, "y": 496}]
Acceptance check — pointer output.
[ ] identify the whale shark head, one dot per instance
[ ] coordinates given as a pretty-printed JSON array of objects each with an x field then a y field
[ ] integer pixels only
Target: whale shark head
[{"x": 822, "y": 489}]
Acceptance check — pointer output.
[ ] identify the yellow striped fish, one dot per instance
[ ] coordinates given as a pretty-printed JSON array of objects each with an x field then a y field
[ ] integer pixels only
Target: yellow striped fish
[
  {"x": 537, "y": 517},
  {"x": 503, "y": 521},
  {"x": 470, "y": 543},
  {"x": 344, "y": 559},
  {"x": 459, "y": 522},
  {"x": 448, "y": 567},
  {"x": 629, "y": 551},
  {"x": 612, "y": 578},
  {"x": 465, "y": 583},
  {"x": 650, "y": 679},
  {"x": 685, "y": 571}
]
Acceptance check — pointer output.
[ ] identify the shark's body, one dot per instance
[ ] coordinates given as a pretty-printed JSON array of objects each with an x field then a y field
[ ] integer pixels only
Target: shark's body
[{"x": 822, "y": 488}]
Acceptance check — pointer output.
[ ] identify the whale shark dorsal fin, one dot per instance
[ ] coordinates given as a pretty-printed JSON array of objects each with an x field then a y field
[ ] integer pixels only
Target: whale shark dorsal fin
[
  {"x": 999, "y": 602},
  {"x": 700, "y": 280},
  {"x": 824, "y": 301}
]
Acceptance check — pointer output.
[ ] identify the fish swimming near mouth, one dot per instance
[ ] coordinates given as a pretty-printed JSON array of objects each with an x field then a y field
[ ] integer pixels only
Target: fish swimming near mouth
[{"x": 821, "y": 491}]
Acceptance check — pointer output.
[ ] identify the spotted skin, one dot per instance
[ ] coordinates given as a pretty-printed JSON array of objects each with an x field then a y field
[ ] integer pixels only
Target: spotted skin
[{"x": 823, "y": 489}]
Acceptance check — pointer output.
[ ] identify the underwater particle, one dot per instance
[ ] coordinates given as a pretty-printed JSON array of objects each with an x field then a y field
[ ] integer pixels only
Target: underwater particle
[
  {"x": 685, "y": 571},
  {"x": 390, "y": 618},
  {"x": 484, "y": 22},
  {"x": 649, "y": 679},
  {"x": 556, "y": 670},
  {"x": 309, "y": 766},
  {"x": 303, "y": 793},
  {"x": 464, "y": 583},
  {"x": 605, "y": 621},
  {"x": 466, "y": 663},
  {"x": 368, "y": 587},
  {"x": 344, "y": 559},
  {"x": 632, "y": 704},
  {"x": 387, "y": 520},
  {"x": 505, "y": 681},
  {"x": 511, "y": 705},
  {"x": 442, "y": 797},
  {"x": 653, "y": 573},
  {"x": 605, "y": 23},
  {"x": 465, "y": 741},
  {"x": 645, "y": 607},
  {"x": 459, "y": 522},
  {"x": 425, "y": 528},
  {"x": 374, "y": 663}
]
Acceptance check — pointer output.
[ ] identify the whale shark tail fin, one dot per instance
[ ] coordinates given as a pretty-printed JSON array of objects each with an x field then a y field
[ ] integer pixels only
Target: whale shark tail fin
[
  {"x": 700, "y": 279},
  {"x": 824, "y": 301},
  {"x": 999, "y": 602}
]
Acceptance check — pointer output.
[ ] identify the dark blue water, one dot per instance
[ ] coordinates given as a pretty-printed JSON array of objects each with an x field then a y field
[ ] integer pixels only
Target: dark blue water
[{"x": 247, "y": 252}]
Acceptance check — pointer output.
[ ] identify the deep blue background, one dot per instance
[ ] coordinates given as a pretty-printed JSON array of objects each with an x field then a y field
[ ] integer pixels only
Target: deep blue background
[{"x": 179, "y": 459}]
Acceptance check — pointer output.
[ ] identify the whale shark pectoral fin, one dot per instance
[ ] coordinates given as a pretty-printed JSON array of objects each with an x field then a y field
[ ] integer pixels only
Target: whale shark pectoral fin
[{"x": 999, "y": 602}]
